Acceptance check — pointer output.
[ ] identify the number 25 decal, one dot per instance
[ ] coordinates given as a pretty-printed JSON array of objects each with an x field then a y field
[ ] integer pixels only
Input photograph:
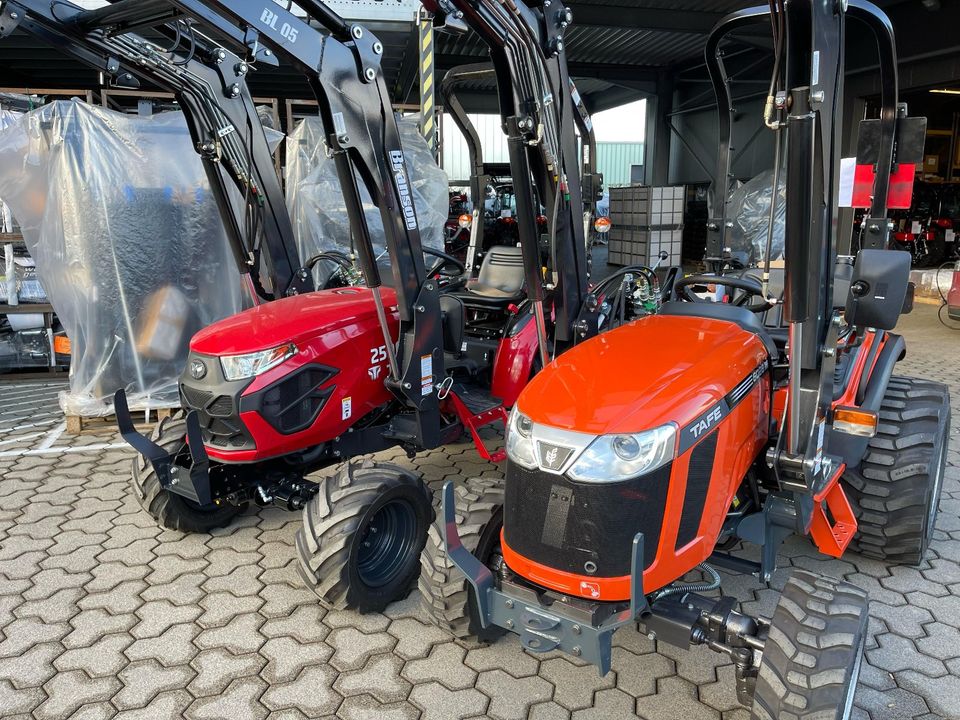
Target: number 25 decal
[{"x": 378, "y": 354}]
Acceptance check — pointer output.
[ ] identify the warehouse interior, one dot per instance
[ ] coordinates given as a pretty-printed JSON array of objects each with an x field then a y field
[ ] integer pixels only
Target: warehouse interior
[{"x": 235, "y": 386}]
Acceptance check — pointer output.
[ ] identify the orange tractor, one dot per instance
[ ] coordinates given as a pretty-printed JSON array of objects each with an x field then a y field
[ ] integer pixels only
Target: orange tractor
[{"x": 647, "y": 452}]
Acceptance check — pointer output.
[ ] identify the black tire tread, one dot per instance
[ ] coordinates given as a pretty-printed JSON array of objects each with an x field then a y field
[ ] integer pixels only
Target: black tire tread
[
  {"x": 444, "y": 591},
  {"x": 330, "y": 520},
  {"x": 817, "y": 625},
  {"x": 168, "y": 509},
  {"x": 890, "y": 491}
]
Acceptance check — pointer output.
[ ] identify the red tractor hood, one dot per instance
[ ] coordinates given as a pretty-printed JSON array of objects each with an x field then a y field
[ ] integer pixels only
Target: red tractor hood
[
  {"x": 655, "y": 370},
  {"x": 294, "y": 319}
]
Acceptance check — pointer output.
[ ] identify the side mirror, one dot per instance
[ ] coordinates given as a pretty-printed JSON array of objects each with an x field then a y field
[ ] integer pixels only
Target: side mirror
[{"x": 878, "y": 288}]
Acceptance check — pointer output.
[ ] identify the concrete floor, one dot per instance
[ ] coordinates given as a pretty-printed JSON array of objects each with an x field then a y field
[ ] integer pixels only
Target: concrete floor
[{"x": 102, "y": 614}]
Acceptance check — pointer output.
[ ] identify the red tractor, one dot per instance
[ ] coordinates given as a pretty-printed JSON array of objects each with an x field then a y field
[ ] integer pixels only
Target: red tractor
[{"x": 644, "y": 454}]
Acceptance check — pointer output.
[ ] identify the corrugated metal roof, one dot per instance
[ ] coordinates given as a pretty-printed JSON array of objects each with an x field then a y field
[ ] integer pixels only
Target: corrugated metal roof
[{"x": 629, "y": 46}]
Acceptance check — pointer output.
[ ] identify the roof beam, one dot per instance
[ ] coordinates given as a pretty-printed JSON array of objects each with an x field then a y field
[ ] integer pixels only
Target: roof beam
[{"x": 630, "y": 16}]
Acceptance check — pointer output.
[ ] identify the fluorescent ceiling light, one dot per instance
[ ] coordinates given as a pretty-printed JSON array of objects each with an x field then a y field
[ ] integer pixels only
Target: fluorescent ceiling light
[{"x": 946, "y": 91}]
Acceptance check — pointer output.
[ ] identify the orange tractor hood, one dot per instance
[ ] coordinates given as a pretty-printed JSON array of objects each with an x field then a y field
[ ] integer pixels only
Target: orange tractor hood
[{"x": 647, "y": 373}]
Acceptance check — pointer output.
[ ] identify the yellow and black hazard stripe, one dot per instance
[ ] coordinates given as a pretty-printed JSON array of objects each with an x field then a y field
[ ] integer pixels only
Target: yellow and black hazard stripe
[{"x": 428, "y": 126}]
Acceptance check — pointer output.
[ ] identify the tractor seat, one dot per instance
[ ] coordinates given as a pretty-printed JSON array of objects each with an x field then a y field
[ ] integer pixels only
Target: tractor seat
[
  {"x": 724, "y": 311},
  {"x": 500, "y": 281}
]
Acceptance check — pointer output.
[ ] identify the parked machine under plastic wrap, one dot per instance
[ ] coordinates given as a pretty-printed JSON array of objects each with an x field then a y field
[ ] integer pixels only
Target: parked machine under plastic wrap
[
  {"x": 117, "y": 212},
  {"x": 7, "y": 118},
  {"x": 750, "y": 209},
  {"x": 316, "y": 202}
]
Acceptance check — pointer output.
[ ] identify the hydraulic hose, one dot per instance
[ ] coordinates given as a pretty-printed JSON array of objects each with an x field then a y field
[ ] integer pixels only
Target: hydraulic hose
[{"x": 677, "y": 588}]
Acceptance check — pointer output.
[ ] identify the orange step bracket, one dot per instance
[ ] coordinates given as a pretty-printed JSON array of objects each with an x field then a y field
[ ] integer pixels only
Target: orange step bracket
[{"x": 834, "y": 524}]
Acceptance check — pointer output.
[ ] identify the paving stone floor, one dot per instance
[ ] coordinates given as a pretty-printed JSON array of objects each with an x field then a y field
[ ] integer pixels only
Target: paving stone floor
[{"x": 102, "y": 614}]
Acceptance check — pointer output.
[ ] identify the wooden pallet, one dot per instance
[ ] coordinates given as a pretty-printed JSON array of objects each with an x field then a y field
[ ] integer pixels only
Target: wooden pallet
[{"x": 77, "y": 424}]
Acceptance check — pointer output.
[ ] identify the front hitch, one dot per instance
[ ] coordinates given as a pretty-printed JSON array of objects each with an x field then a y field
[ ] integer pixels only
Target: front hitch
[
  {"x": 193, "y": 484},
  {"x": 521, "y": 609}
]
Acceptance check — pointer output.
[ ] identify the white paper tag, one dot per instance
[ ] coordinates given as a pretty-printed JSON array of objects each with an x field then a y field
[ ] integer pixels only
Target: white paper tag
[
  {"x": 950, "y": 236},
  {"x": 915, "y": 227},
  {"x": 346, "y": 408},
  {"x": 848, "y": 168},
  {"x": 426, "y": 375}
]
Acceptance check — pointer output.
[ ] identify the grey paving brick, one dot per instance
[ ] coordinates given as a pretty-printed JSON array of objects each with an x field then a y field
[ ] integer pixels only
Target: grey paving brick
[
  {"x": 909, "y": 620},
  {"x": 215, "y": 669},
  {"x": 510, "y": 697},
  {"x": 287, "y": 657},
  {"x": 143, "y": 681},
  {"x": 241, "y": 635},
  {"x": 438, "y": 703},
  {"x": 675, "y": 697},
  {"x": 896, "y": 704},
  {"x": 898, "y": 653},
  {"x": 444, "y": 664},
  {"x": 638, "y": 674},
  {"x": 241, "y": 699},
  {"x": 23, "y": 633},
  {"x": 311, "y": 692},
  {"x": 158, "y": 616},
  {"x": 89, "y": 625},
  {"x": 574, "y": 685},
  {"x": 172, "y": 647},
  {"x": 414, "y": 638},
  {"x": 103, "y": 658},
  {"x": 549, "y": 711},
  {"x": 32, "y": 668},
  {"x": 942, "y": 641},
  {"x": 940, "y": 693},
  {"x": 305, "y": 624},
  {"x": 13, "y": 701},
  {"x": 68, "y": 691},
  {"x": 380, "y": 677},
  {"x": 609, "y": 704},
  {"x": 364, "y": 707},
  {"x": 505, "y": 654},
  {"x": 221, "y": 607},
  {"x": 352, "y": 648}
]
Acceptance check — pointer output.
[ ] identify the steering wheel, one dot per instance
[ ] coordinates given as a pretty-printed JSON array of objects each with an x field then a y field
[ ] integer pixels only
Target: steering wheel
[
  {"x": 749, "y": 287},
  {"x": 447, "y": 265}
]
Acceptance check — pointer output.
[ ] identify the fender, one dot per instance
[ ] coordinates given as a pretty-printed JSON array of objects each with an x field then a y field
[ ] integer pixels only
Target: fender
[
  {"x": 514, "y": 360},
  {"x": 851, "y": 448}
]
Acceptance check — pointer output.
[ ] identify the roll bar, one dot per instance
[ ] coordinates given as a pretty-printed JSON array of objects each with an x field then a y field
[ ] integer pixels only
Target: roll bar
[{"x": 809, "y": 112}]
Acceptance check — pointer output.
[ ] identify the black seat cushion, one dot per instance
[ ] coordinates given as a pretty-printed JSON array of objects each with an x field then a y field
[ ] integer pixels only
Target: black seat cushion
[{"x": 724, "y": 311}]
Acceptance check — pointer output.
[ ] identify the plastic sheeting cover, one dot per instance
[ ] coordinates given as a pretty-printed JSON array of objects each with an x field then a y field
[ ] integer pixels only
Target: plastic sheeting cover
[
  {"x": 117, "y": 212},
  {"x": 7, "y": 118},
  {"x": 749, "y": 210},
  {"x": 316, "y": 203}
]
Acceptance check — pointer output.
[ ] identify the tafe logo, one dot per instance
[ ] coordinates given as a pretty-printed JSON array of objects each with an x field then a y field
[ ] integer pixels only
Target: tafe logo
[
  {"x": 406, "y": 202},
  {"x": 706, "y": 422},
  {"x": 591, "y": 588},
  {"x": 551, "y": 456}
]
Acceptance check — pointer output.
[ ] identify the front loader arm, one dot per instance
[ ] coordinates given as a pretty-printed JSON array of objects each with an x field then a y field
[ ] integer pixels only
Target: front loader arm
[{"x": 539, "y": 116}]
